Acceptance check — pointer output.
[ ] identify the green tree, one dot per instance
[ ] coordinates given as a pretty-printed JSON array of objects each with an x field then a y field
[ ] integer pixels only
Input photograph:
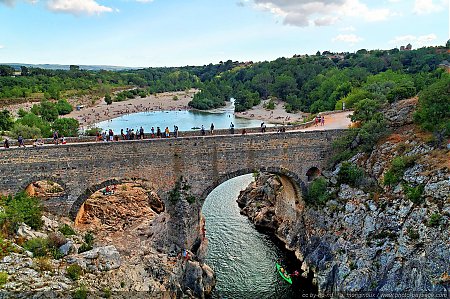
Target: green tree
[
  {"x": 48, "y": 110},
  {"x": 283, "y": 86},
  {"x": 6, "y": 70},
  {"x": 33, "y": 121},
  {"x": 63, "y": 107},
  {"x": 433, "y": 113},
  {"x": 66, "y": 126},
  {"x": 108, "y": 99},
  {"x": 6, "y": 120},
  {"x": 25, "y": 131},
  {"x": 365, "y": 110}
]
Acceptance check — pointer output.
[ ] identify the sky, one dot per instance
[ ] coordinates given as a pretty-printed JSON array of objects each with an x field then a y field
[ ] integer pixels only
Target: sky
[{"x": 154, "y": 33}]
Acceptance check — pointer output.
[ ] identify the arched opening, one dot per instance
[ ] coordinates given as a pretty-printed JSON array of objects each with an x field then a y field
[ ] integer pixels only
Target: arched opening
[
  {"x": 235, "y": 247},
  {"x": 119, "y": 212},
  {"x": 313, "y": 173},
  {"x": 45, "y": 189},
  {"x": 50, "y": 191}
]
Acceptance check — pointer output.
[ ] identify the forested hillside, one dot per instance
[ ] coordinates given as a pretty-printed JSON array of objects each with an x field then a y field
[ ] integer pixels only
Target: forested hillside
[{"x": 322, "y": 82}]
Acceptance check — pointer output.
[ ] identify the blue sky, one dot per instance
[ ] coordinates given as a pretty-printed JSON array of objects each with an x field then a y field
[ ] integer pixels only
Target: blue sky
[{"x": 195, "y": 32}]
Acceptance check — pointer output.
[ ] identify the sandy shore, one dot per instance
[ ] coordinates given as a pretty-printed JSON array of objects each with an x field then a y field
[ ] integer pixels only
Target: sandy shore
[
  {"x": 165, "y": 102},
  {"x": 276, "y": 116},
  {"x": 162, "y": 101}
]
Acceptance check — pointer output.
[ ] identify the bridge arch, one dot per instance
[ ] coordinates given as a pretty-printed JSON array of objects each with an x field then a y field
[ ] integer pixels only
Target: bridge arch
[
  {"x": 298, "y": 183},
  {"x": 38, "y": 178}
]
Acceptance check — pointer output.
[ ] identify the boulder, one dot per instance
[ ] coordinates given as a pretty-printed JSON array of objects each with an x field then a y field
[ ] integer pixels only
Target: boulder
[
  {"x": 68, "y": 248},
  {"x": 98, "y": 259},
  {"x": 28, "y": 233}
]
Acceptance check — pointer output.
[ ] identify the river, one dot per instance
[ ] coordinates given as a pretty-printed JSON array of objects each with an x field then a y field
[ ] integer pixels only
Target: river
[
  {"x": 185, "y": 120},
  {"x": 243, "y": 258}
]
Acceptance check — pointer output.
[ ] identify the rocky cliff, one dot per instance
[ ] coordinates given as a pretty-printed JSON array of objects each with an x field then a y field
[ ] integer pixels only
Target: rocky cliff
[
  {"x": 121, "y": 245},
  {"x": 384, "y": 226}
]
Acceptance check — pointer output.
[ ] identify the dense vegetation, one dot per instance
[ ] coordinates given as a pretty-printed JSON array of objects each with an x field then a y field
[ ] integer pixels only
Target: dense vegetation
[
  {"x": 325, "y": 82},
  {"x": 365, "y": 81}
]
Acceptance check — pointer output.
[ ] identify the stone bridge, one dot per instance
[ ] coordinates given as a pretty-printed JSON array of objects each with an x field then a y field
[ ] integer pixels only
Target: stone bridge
[{"x": 203, "y": 162}]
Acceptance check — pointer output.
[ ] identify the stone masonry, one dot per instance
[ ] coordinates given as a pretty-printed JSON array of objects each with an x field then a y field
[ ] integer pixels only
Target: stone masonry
[{"x": 203, "y": 162}]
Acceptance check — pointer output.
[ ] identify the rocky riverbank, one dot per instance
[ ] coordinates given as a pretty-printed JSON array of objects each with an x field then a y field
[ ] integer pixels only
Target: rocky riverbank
[
  {"x": 384, "y": 226},
  {"x": 109, "y": 251}
]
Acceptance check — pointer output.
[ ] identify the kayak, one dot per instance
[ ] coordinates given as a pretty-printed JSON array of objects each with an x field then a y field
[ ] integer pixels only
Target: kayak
[{"x": 286, "y": 276}]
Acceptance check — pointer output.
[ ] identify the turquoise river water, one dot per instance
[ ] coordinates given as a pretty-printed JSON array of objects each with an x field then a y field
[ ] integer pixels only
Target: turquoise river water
[
  {"x": 185, "y": 120},
  {"x": 242, "y": 257}
]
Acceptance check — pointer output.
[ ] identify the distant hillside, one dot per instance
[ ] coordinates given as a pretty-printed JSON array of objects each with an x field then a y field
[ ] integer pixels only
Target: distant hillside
[{"x": 66, "y": 67}]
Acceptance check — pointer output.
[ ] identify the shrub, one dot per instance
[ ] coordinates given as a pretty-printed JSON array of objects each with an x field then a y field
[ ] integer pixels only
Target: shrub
[
  {"x": 74, "y": 271},
  {"x": 3, "y": 278},
  {"x": 67, "y": 230},
  {"x": 435, "y": 220},
  {"x": 84, "y": 247},
  {"x": 106, "y": 292},
  {"x": 433, "y": 112},
  {"x": 412, "y": 233},
  {"x": 92, "y": 131},
  {"x": 63, "y": 107},
  {"x": 414, "y": 194},
  {"x": 5, "y": 247},
  {"x": 38, "y": 246},
  {"x": 270, "y": 105},
  {"x": 66, "y": 126},
  {"x": 108, "y": 99},
  {"x": 23, "y": 208},
  {"x": 350, "y": 174},
  {"x": 80, "y": 293},
  {"x": 25, "y": 131},
  {"x": 56, "y": 240},
  {"x": 89, "y": 238},
  {"x": 317, "y": 192},
  {"x": 43, "y": 264},
  {"x": 398, "y": 166}
]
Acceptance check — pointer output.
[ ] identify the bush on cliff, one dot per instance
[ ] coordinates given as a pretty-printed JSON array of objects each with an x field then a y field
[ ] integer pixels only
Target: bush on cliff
[
  {"x": 433, "y": 112},
  {"x": 398, "y": 166},
  {"x": 350, "y": 174},
  {"x": 317, "y": 192},
  {"x": 38, "y": 246},
  {"x": 18, "y": 209}
]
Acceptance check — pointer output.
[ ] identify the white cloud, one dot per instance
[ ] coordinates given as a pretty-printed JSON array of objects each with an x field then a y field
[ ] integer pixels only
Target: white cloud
[
  {"x": 77, "y": 7},
  {"x": 144, "y": 1},
  {"x": 1, "y": 46},
  {"x": 321, "y": 12},
  {"x": 422, "y": 7},
  {"x": 416, "y": 41},
  {"x": 347, "y": 38}
]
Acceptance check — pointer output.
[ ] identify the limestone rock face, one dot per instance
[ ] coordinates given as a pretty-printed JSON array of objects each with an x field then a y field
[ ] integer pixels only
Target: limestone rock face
[{"x": 370, "y": 237}]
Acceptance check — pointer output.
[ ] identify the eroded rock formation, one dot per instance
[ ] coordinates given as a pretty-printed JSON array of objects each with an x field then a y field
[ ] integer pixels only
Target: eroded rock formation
[{"x": 370, "y": 237}]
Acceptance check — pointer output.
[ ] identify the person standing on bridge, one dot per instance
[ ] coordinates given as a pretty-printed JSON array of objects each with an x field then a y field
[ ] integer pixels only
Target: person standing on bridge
[
  {"x": 6, "y": 143},
  {"x": 167, "y": 131},
  {"x": 231, "y": 128},
  {"x": 322, "y": 120},
  {"x": 20, "y": 141},
  {"x": 212, "y": 129},
  {"x": 203, "y": 130}
]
